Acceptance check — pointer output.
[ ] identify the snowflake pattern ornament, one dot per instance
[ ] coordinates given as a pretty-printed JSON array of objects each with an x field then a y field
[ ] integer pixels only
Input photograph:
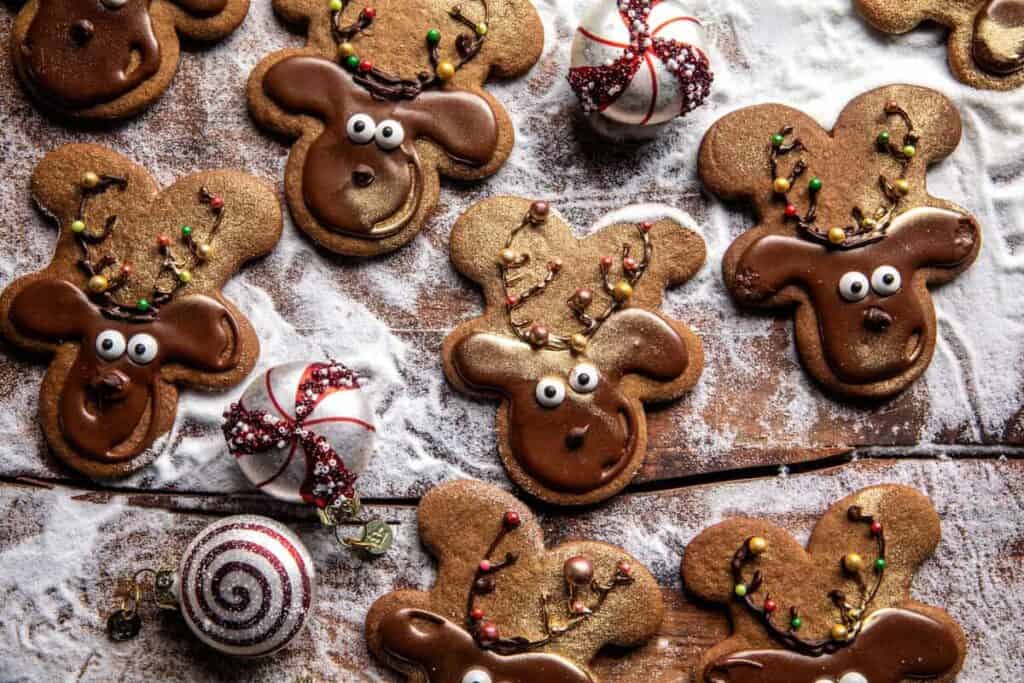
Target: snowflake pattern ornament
[{"x": 637, "y": 64}]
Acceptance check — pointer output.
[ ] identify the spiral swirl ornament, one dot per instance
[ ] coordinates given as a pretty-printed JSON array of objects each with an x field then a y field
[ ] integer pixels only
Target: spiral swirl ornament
[{"x": 246, "y": 585}]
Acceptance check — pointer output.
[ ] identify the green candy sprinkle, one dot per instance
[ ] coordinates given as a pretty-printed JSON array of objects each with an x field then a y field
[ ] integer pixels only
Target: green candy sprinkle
[
  {"x": 815, "y": 184},
  {"x": 78, "y": 226},
  {"x": 186, "y": 230},
  {"x": 879, "y": 564},
  {"x": 796, "y": 622},
  {"x": 352, "y": 62},
  {"x": 142, "y": 305},
  {"x": 740, "y": 590},
  {"x": 433, "y": 36},
  {"x": 883, "y": 138},
  {"x": 777, "y": 140}
]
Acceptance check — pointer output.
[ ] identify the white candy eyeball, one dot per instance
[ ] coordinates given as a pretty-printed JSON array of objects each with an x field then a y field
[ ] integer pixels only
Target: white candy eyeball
[
  {"x": 584, "y": 378},
  {"x": 114, "y": 4},
  {"x": 824, "y": 680},
  {"x": 360, "y": 128},
  {"x": 853, "y": 677},
  {"x": 142, "y": 349},
  {"x": 886, "y": 280},
  {"x": 854, "y": 286},
  {"x": 110, "y": 344},
  {"x": 477, "y": 676},
  {"x": 390, "y": 134},
  {"x": 550, "y": 392}
]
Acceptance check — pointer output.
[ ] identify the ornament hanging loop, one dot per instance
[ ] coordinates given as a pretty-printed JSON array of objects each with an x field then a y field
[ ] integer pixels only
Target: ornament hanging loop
[
  {"x": 376, "y": 537},
  {"x": 125, "y": 623}
]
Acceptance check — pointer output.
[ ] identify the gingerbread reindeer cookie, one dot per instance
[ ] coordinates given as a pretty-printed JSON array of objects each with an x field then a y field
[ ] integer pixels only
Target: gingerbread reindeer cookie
[
  {"x": 986, "y": 41},
  {"x": 571, "y": 342},
  {"x": 847, "y": 232},
  {"x": 838, "y": 612},
  {"x": 504, "y": 608},
  {"x": 109, "y": 59},
  {"x": 130, "y": 306},
  {"x": 383, "y": 100}
]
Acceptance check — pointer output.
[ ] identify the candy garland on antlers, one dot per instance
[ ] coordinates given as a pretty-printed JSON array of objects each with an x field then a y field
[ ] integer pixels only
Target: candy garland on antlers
[
  {"x": 866, "y": 229},
  {"x": 389, "y": 86},
  {"x": 851, "y": 618},
  {"x": 578, "y": 573},
  {"x": 536, "y": 334},
  {"x": 106, "y": 275}
]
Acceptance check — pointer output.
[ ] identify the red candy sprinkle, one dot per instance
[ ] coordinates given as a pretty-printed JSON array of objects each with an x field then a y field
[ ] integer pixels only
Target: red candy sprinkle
[
  {"x": 646, "y": 227},
  {"x": 770, "y": 606},
  {"x": 476, "y": 614},
  {"x": 511, "y": 300},
  {"x": 216, "y": 203},
  {"x": 876, "y": 528},
  {"x": 512, "y": 519},
  {"x": 629, "y": 263},
  {"x": 126, "y": 270},
  {"x": 163, "y": 240},
  {"x": 365, "y": 66},
  {"x": 485, "y": 566},
  {"x": 790, "y": 211},
  {"x": 606, "y": 263},
  {"x": 626, "y": 568},
  {"x": 369, "y": 12},
  {"x": 489, "y": 633}
]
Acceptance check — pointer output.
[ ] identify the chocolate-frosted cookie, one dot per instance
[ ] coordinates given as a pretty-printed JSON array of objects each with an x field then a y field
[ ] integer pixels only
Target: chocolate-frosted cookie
[
  {"x": 847, "y": 233},
  {"x": 986, "y": 41},
  {"x": 130, "y": 306},
  {"x": 571, "y": 341},
  {"x": 383, "y": 100},
  {"x": 839, "y": 611},
  {"x": 504, "y": 608},
  {"x": 109, "y": 59}
]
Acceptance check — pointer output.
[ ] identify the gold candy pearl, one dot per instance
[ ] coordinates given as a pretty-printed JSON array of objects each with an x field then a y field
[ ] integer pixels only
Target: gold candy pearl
[
  {"x": 622, "y": 291},
  {"x": 781, "y": 185},
  {"x": 836, "y": 235},
  {"x": 90, "y": 180},
  {"x": 98, "y": 284},
  {"x": 445, "y": 71},
  {"x": 757, "y": 545},
  {"x": 346, "y": 49},
  {"x": 869, "y": 223},
  {"x": 508, "y": 257},
  {"x": 481, "y": 29},
  {"x": 185, "y": 277},
  {"x": 578, "y": 343},
  {"x": 902, "y": 186},
  {"x": 204, "y": 251},
  {"x": 840, "y": 632},
  {"x": 853, "y": 563}
]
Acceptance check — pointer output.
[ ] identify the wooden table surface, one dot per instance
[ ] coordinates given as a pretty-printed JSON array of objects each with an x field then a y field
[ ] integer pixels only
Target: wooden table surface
[{"x": 756, "y": 437}]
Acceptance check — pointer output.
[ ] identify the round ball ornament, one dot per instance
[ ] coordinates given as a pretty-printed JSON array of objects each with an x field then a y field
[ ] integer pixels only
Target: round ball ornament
[
  {"x": 637, "y": 64},
  {"x": 303, "y": 432}
]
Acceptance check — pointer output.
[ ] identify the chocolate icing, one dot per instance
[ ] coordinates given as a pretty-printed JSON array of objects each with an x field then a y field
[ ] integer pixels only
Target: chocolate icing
[
  {"x": 81, "y": 53},
  {"x": 445, "y": 653},
  {"x": 878, "y": 337},
  {"x": 110, "y": 409},
  {"x": 894, "y": 645},
  {"x": 998, "y": 43},
  {"x": 588, "y": 439},
  {"x": 364, "y": 190}
]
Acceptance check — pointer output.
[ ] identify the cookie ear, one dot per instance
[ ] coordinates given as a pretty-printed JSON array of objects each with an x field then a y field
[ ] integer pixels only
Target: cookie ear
[
  {"x": 523, "y": 18},
  {"x": 462, "y": 123},
  {"x": 772, "y": 263},
  {"x": 50, "y": 310},
  {"x": 637, "y": 341},
  {"x": 208, "y": 20},
  {"x": 310, "y": 85},
  {"x": 483, "y": 360},
  {"x": 892, "y": 17},
  {"x": 935, "y": 237},
  {"x": 199, "y": 332}
]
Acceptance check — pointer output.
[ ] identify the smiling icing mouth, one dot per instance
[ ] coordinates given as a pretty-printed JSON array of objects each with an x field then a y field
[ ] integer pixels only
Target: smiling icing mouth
[{"x": 398, "y": 220}]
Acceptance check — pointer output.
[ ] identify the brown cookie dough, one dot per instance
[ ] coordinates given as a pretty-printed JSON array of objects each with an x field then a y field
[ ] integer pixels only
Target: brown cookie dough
[
  {"x": 839, "y": 611},
  {"x": 382, "y": 101},
  {"x": 847, "y": 233},
  {"x": 504, "y": 608},
  {"x": 110, "y": 59},
  {"x": 571, "y": 342},
  {"x": 986, "y": 41},
  {"x": 130, "y": 306}
]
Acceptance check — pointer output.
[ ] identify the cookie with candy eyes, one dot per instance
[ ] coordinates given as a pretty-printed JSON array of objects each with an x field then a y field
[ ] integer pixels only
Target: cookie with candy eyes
[
  {"x": 839, "y": 611},
  {"x": 846, "y": 234},
  {"x": 109, "y": 59},
  {"x": 504, "y": 608},
  {"x": 986, "y": 40},
  {"x": 571, "y": 341},
  {"x": 382, "y": 101},
  {"x": 130, "y": 307}
]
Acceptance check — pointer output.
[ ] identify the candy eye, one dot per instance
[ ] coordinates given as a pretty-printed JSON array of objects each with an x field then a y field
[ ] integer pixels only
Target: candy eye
[
  {"x": 550, "y": 392},
  {"x": 114, "y": 4},
  {"x": 886, "y": 280},
  {"x": 476, "y": 676},
  {"x": 142, "y": 349},
  {"x": 853, "y": 286},
  {"x": 853, "y": 677},
  {"x": 584, "y": 378},
  {"x": 360, "y": 128},
  {"x": 390, "y": 134},
  {"x": 110, "y": 344}
]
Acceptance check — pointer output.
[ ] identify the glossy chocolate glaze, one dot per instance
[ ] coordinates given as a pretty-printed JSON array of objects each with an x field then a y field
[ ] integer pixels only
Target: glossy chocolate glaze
[
  {"x": 81, "y": 53},
  {"x": 879, "y": 337},
  {"x": 108, "y": 409},
  {"x": 895, "y": 645},
  {"x": 446, "y": 653},
  {"x": 363, "y": 189},
  {"x": 998, "y": 42}
]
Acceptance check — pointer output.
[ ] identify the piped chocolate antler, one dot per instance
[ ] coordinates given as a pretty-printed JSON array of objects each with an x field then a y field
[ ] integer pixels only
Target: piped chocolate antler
[
  {"x": 389, "y": 86},
  {"x": 619, "y": 290},
  {"x": 865, "y": 229}
]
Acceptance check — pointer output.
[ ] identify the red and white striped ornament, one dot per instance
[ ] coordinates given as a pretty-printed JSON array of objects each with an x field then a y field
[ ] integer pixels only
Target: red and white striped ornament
[
  {"x": 640, "y": 62},
  {"x": 303, "y": 432},
  {"x": 246, "y": 586}
]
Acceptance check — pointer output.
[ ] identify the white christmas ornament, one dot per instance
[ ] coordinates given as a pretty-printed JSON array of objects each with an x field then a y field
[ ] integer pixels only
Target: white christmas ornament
[
  {"x": 303, "y": 432},
  {"x": 246, "y": 586},
  {"x": 639, "y": 63}
]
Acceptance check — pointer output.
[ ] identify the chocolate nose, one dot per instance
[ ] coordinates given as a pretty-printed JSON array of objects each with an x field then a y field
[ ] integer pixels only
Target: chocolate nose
[
  {"x": 363, "y": 176},
  {"x": 877, "y": 320},
  {"x": 82, "y": 31},
  {"x": 575, "y": 438},
  {"x": 111, "y": 386}
]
